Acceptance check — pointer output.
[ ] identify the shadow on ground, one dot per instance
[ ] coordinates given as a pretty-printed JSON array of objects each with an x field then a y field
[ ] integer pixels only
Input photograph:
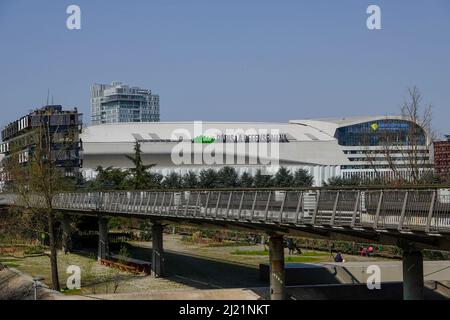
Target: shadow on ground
[
  {"x": 196, "y": 271},
  {"x": 203, "y": 273}
]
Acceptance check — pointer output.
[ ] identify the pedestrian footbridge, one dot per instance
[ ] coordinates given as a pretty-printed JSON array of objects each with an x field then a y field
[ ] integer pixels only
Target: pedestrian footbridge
[{"x": 414, "y": 218}]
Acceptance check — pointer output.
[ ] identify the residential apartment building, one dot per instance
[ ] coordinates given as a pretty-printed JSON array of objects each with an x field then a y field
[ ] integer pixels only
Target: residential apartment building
[
  {"x": 117, "y": 102},
  {"x": 48, "y": 126},
  {"x": 442, "y": 157}
]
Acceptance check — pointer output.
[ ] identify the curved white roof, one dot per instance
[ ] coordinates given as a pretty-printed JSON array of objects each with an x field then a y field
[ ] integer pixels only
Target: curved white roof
[
  {"x": 311, "y": 142},
  {"x": 130, "y": 132},
  {"x": 297, "y": 130}
]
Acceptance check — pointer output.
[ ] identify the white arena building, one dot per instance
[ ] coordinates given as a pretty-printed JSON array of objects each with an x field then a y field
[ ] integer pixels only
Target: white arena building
[{"x": 325, "y": 147}]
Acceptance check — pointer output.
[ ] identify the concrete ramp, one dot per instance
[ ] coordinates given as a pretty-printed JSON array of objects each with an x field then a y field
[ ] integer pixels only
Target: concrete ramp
[
  {"x": 301, "y": 274},
  {"x": 15, "y": 285}
]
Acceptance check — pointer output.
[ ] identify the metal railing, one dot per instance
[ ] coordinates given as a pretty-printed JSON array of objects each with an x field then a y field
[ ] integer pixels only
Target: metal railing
[{"x": 426, "y": 210}]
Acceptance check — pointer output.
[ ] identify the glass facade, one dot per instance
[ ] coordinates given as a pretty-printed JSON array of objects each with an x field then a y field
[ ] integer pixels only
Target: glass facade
[
  {"x": 381, "y": 132},
  {"x": 120, "y": 103}
]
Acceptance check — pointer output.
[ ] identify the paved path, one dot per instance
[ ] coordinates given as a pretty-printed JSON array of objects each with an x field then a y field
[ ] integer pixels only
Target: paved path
[{"x": 192, "y": 294}]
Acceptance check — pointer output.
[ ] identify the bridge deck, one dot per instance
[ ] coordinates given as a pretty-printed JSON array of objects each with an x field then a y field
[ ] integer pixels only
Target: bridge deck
[{"x": 402, "y": 210}]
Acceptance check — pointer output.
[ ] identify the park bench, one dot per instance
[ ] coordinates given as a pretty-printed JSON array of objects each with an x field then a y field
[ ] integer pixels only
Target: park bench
[
  {"x": 127, "y": 264},
  {"x": 120, "y": 266}
]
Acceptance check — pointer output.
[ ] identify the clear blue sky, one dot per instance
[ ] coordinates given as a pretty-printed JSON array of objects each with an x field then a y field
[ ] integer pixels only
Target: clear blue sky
[{"x": 233, "y": 60}]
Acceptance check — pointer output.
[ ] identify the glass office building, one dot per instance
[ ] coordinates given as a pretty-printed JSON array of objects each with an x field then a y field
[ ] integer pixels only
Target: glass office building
[{"x": 118, "y": 102}]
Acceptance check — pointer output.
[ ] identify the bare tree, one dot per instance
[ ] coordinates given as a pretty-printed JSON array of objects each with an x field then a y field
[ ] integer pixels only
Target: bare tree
[
  {"x": 406, "y": 150},
  {"x": 37, "y": 176}
]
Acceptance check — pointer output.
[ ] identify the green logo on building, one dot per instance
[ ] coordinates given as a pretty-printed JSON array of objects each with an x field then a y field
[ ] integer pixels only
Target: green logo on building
[
  {"x": 203, "y": 139},
  {"x": 374, "y": 126}
]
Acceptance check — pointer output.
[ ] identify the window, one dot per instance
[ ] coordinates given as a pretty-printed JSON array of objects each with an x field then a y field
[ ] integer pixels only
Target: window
[{"x": 375, "y": 133}]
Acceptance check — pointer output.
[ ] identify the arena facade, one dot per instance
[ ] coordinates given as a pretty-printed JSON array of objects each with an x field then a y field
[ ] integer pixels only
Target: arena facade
[{"x": 324, "y": 147}]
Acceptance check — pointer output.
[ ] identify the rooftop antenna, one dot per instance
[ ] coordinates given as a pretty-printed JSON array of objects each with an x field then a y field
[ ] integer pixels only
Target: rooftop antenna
[{"x": 48, "y": 94}]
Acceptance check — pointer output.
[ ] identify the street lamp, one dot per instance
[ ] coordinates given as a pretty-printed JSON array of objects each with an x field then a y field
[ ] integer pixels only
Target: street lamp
[{"x": 36, "y": 279}]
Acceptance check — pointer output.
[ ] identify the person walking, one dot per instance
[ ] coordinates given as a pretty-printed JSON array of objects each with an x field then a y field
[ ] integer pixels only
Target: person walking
[
  {"x": 290, "y": 245},
  {"x": 338, "y": 257},
  {"x": 369, "y": 250}
]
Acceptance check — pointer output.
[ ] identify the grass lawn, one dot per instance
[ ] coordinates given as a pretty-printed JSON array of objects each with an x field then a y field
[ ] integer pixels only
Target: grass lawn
[
  {"x": 306, "y": 256},
  {"x": 251, "y": 252},
  {"x": 9, "y": 262},
  {"x": 266, "y": 253},
  {"x": 302, "y": 259}
]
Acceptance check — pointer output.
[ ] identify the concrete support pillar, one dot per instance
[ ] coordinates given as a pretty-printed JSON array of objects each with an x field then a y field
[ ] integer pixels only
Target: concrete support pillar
[
  {"x": 277, "y": 272},
  {"x": 412, "y": 274},
  {"x": 103, "y": 243},
  {"x": 157, "y": 250},
  {"x": 66, "y": 234}
]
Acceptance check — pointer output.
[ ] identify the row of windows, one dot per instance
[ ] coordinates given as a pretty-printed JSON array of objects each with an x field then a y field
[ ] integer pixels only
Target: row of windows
[
  {"x": 378, "y": 166},
  {"x": 385, "y": 151},
  {"x": 382, "y": 132},
  {"x": 371, "y": 175},
  {"x": 23, "y": 157},
  {"x": 390, "y": 158},
  {"x": 52, "y": 120},
  {"x": 4, "y": 147},
  {"x": 442, "y": 156}
]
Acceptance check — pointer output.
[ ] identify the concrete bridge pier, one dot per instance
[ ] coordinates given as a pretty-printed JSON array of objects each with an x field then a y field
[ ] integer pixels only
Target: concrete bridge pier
[
  {"x": 103, "y": 242},
  {"x": 277, "y": 272},
  {"x": 66, "y": 233},
  {"x": 157, "y": 250},
  {"x": 412, "y": 274}
]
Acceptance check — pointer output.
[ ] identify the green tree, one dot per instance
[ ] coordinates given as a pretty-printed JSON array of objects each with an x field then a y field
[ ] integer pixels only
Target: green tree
[
  {"x": 283, "y": 178},
  {"x": 208, "y": 178},
  {"x": 261, "y": 180},
  {"x": 246, "y": 180},
  {"x": 343, "y": 182},
  {"x": 109, "y": 179},
  {"x": 156, "y": 180},
  {"x": 141, "y": 178},
  {"x": 302, "y": 178},
  {"x": 172, "y": 181},
  {"x": 145, "y": 229},
  {"x": 190, "y": 180},
  {"x": 227, "y": 177}
]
